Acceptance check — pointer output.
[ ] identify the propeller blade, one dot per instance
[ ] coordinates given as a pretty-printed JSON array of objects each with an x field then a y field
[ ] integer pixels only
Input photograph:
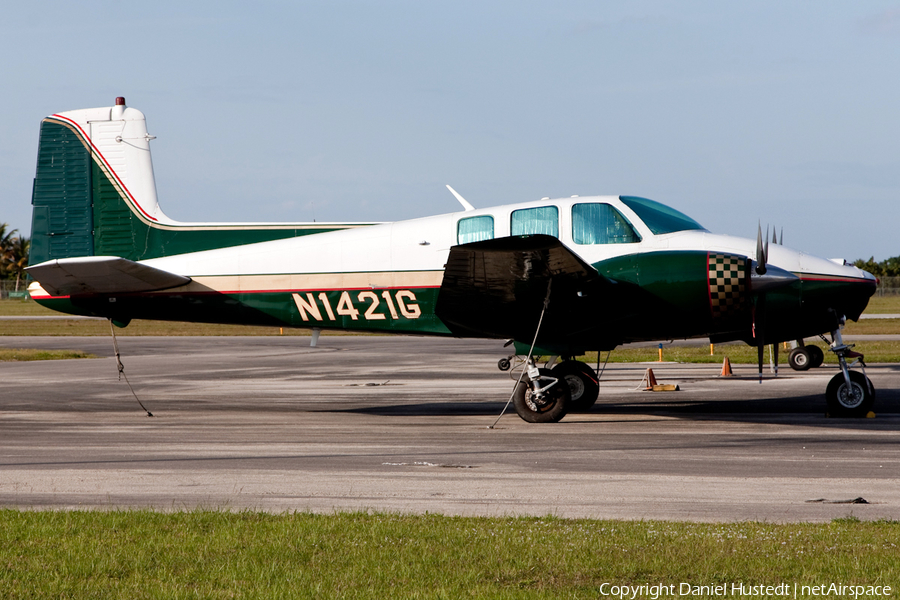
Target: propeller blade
[
  {"x": 774, "y": 235},
  {"x": 781, "y": 237},
  {"x": 760, "y": 252}
]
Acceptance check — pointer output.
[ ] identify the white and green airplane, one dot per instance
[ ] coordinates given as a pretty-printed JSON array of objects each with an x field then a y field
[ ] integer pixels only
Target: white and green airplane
[{"x": 570, "y": 275}]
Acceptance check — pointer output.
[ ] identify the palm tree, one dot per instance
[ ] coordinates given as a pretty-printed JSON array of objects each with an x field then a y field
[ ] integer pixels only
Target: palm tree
[
  {"x": 6, "y": 238},
  {"x": 18, "y": 257}
]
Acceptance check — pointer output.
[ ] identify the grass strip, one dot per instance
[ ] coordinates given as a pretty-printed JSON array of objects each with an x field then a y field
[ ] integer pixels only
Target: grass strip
[
  {"x": 873, "y": 327},
  {"x": 738, "y": 353},
  {"x": 883, "y": 305},
  {"x": 215, "y": 554},
  {"x": 26, "y": 354},
  {"x": 140, "y": 328},
  {"x": 81, "y": 327},
  {"x": 76, "y": 327}
]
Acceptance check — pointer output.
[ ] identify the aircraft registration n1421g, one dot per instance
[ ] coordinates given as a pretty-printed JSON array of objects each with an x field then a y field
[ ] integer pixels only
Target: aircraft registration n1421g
[{"x": 570, "y": 275}]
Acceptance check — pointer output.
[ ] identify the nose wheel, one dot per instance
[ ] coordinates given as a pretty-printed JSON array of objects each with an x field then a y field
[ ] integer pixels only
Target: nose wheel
[
  {"x": 849, "y": 393},
  {"x": 855, "y": 400}
]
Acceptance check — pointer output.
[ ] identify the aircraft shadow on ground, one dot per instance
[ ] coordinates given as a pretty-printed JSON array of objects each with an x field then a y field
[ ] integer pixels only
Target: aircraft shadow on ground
[{"x": 807, "y": 410}]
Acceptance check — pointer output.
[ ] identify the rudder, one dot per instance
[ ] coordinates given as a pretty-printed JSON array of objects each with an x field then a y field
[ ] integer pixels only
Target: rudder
[{"x": 62, "y": 217}]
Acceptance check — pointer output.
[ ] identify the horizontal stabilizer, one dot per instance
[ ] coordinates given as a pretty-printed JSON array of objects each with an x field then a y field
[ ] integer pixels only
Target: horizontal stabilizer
[
  {"x": 496, "y": 288},
  {"x": 101, "y": 275}
]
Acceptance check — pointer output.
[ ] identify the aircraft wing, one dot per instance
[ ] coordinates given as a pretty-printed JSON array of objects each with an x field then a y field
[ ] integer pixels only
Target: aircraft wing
[
  {"x": 496, "y": 288},
  {"x": 101, "y": 275}
]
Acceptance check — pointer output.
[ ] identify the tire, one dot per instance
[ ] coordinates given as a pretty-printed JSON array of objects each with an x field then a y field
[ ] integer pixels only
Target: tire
[
  {"x": 583, "y": 385},
  {"x": 799, "y": 359},
  {"x": 503, "y": 364},
  {"x": 857, "y": 403},
  {"x": 816, "y": 356},
  {"x": 549, "y": 408}
]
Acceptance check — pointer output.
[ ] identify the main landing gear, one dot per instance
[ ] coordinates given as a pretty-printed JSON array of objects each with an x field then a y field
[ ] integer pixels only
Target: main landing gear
[
  {"x": 804, "y": 357},
  {"x": 540, "y": 397},
  {"x": 584, "y": 386},
  {"x": 539, "y": 394},
  {"x": 849, "y": 393}
]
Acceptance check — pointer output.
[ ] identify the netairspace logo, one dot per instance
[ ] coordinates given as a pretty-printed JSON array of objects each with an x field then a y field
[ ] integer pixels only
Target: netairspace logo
[{"x": 743, "y": 590}]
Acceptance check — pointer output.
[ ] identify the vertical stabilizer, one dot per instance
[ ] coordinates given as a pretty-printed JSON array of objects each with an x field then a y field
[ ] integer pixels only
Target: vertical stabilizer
[
  {"x": 94, "y": 178},
  {"x": 94, "y": 194},
  {"x": 123, "y": 145}
]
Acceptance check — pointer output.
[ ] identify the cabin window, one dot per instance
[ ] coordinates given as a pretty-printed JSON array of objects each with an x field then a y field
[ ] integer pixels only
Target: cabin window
[
  {"x": 475, "y": 229},
  {"x": 659, "y": 218},
  {"x": 597, "y": 223},
  {"x": 544, "y": 219}
]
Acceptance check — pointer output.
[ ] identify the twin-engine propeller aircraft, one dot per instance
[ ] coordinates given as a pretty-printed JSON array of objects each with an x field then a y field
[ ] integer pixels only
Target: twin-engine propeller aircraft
[{"x": 570, "y": 275}]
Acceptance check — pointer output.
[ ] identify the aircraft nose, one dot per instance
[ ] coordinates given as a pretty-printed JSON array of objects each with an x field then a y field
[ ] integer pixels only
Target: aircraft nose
[{"x": 847, "y": 295}]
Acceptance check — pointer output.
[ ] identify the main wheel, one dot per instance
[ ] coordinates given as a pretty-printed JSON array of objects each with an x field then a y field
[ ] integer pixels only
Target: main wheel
[
  {"x": 583, "y": 385},
  {"x": 543, "y": 406},
  {"x": 799, "y": 359},
  {"x": 856, "y": 401},
  {"x": 816, "y": 356}
]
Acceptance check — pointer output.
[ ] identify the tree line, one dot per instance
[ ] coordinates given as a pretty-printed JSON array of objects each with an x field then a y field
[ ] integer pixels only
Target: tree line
[
  {"x": 889, "y": 267},
  {"x": 13, "y": 255}
]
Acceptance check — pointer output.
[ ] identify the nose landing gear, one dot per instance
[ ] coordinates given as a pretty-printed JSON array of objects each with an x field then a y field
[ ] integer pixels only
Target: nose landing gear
[{"x": 849, "y": 393}]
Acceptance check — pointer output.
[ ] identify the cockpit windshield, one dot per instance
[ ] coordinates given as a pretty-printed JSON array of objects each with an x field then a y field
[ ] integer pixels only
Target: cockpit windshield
[{"x": 659, "y": 218}]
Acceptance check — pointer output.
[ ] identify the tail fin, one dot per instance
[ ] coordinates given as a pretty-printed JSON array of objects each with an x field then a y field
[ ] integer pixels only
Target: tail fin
[
  {"x": 95, "y": 195},
  {"x": 94, "y": 185}
]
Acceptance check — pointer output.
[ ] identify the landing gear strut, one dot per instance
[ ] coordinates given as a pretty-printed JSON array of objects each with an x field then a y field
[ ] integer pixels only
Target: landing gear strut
[{"x": 849, "y": 393}]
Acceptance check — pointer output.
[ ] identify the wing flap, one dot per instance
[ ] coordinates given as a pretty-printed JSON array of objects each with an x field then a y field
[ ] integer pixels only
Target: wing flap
[
  {"x": 101, "y": 275},
  {"x": 496, "y": 288}
]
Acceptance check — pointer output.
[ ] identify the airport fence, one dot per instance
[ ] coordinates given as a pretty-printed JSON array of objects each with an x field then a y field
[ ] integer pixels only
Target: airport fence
[
  {"x": 888, "y": 286},
  {"x": 9, "y": 290}
]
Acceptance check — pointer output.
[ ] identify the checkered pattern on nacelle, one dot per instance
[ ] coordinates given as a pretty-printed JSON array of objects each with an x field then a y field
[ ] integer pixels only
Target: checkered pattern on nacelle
[{"x": 727, "y": 277}]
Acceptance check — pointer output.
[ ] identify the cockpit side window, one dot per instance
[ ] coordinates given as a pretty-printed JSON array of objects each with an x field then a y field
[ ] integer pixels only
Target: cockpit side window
[
  {"x": 597, "y": 223},
  {"x": 659, "y": 218},
  {"x": 543, "y": 219},
  {"x": 475, "y": 229}
]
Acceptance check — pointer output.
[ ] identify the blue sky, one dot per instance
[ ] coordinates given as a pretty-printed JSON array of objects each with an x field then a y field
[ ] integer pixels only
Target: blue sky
[{"x": 786, "y": 113}]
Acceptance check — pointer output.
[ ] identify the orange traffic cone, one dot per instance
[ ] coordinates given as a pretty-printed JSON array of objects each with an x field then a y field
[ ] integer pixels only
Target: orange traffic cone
[
  {"x": 650, "y": 378},
  {"x": 726, "y": 368}
]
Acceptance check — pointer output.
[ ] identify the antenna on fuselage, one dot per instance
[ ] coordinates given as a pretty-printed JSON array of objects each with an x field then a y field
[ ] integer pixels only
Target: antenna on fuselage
[{"x": 462, "y": 200}]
